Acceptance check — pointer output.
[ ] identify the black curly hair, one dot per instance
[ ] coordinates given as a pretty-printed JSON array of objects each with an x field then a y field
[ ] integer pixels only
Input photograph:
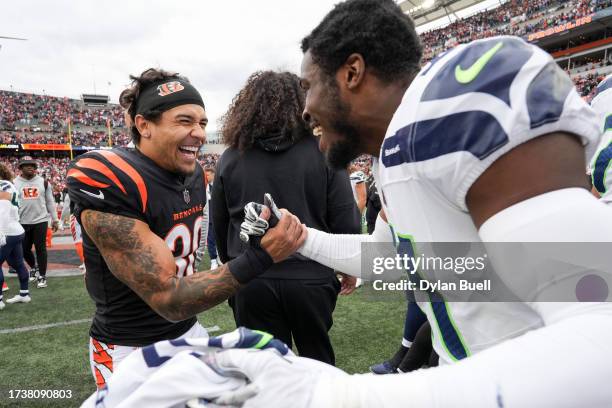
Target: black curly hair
[
  {"x": 378, "y": 30},
  {"x": 271, "y": 103},
  {"x": 139, "y": 83}
]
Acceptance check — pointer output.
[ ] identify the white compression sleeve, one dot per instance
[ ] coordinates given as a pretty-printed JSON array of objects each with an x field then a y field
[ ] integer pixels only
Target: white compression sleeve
[
  {"x": 342, "y": 252},
  {"x": 565, "y": 364}
]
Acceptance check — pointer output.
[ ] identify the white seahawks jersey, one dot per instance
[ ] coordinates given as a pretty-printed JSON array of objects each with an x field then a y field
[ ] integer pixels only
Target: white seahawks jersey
[
  {"x": 463, "y": 111},
  {"x": 9, "y": 211},
  {"x": 169, "y": 373},
  {"x": 600, "y": 163}
]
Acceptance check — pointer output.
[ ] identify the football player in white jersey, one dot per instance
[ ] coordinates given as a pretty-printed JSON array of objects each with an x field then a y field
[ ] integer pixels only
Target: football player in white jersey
[
  {"x": 488, "y": 143},
  {"x": 600, "y": 163},
  {"x": 11, "y": 236}
]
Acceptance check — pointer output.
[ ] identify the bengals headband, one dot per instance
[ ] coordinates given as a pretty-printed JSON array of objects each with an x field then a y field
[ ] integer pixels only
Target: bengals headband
[{"x": 167, "y": 94}]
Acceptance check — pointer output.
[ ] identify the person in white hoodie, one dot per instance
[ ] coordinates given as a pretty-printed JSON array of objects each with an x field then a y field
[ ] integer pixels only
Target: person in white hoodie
[
  {"x": 11, "y": 236},
  {"x": 36, "y": 207}
]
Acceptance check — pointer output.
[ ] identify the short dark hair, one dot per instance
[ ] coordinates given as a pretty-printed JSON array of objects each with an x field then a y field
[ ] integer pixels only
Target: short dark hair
[
  {"x": 378, "y": 30},
  {"x": 139, "y": 83},
  {"x": 5, "y": 172},
  {"x": 270, "y": 103}
]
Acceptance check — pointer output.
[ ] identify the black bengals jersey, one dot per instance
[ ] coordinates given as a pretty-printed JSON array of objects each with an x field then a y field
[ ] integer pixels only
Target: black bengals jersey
[{"x": 127, "y": 183}]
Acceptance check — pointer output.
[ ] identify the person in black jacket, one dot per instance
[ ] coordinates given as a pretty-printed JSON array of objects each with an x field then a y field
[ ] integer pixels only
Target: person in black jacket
[
  {"x": 373, "y": 205},
  {"x": 271, "y": 150}
]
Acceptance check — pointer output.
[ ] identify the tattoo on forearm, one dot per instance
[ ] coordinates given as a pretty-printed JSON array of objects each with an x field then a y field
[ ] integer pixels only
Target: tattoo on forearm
[
  {"x": 203, "y": 290},
  {"x": 135, "y": 264}
]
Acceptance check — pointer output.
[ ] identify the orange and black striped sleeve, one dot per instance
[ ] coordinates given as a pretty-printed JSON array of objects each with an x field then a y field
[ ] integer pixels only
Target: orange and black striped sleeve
[{"x": 108, "y": 182}]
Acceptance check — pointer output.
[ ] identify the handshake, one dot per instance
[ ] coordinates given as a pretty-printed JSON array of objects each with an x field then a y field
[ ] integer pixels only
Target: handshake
[{"x": 278, "y": 232}]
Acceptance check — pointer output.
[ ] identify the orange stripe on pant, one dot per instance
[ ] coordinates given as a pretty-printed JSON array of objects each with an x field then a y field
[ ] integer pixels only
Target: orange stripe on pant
[
  {"x": 102, "y": 357},
  {"x": 97, "y": 345},
  {"x": 100, "y": 382},
  {"x": 102, "y": 361}
]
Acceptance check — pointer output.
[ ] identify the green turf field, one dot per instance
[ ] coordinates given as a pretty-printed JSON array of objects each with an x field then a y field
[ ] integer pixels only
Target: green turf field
[{"x": 56, "y": 358}]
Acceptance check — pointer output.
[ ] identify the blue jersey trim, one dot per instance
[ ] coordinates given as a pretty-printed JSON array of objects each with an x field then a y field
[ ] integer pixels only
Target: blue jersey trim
[
  {"x": 477, "y": 132},
  {"x": 495, "y": 78},
  {"x": 546, "y": 95},
  {"x": 152, "y": 358},
  {"x": 608, "y": 123},
  {"x": 599, "y": 169},
  {"x": 450, "y": 336},
  {"x": 4, "y": 185}
]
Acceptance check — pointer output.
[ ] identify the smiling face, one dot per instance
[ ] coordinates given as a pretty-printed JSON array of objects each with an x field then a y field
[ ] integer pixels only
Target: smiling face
[
  {"x": 174, "y": 141},
  {"x": 329, "y": 116}
]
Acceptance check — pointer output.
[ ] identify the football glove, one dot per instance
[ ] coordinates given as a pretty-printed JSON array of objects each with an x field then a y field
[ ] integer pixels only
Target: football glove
[{"x": 255, "y": 226}]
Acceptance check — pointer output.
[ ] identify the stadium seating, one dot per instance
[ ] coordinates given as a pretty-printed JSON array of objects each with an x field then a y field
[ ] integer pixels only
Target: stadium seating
[
  {"x": 512, "y": 18},
  {"x": 41, "y": 119}
]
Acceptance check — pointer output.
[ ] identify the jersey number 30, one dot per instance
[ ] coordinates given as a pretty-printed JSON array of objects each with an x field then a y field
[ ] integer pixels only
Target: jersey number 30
[{"x": 190, "y": 240}]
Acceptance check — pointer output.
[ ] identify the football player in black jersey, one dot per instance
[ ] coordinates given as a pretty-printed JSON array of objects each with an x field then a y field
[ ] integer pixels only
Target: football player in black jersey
[{"x": 141, "y": 212}]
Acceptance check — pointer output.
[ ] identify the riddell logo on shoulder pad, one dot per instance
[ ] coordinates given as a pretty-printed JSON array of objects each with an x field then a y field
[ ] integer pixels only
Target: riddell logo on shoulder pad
[
  {"x": 170, "y": 88},
  {"x": 393, "y": 150}
]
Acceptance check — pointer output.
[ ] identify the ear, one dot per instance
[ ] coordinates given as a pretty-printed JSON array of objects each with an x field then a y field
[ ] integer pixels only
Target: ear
[
  {"x": 354, "y": 71},
  {"x": 143, "y": 126}
]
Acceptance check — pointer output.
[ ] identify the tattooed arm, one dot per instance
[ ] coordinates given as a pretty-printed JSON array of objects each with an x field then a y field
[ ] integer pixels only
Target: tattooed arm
[{"x": 142, "y": 260}]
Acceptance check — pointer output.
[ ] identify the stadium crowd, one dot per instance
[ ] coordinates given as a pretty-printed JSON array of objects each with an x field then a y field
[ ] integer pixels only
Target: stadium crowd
[
  {"x": 512, "y": 18},
  {"x": 31, "y": 118},
  {"x": 79, "y": 137},
  {"x": 585, "y": 84},
  {"x": 53, "y": 169}
]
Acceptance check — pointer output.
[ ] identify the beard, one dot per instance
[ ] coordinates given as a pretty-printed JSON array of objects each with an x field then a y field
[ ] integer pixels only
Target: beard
[{"x": 340, "y": 153}]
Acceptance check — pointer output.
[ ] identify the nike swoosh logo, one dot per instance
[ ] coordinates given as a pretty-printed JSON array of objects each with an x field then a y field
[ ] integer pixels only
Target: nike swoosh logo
[
  {"x": 465, "y": 76},
  {"x": 100, "y": 194}
]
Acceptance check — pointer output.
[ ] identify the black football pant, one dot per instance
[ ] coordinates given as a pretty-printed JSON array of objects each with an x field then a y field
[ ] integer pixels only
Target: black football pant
[
  {"x": 36, "y": 234},
  {"x": 286, "y": 308},
  {"x": 421, "y": 351}
]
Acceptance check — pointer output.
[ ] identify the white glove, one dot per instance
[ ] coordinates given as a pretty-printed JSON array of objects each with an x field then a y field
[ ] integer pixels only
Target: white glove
[
  {"x": 276, "y": 381},
  {"x": 2, "y": 239},
  {"x": 254, "y": 225}
]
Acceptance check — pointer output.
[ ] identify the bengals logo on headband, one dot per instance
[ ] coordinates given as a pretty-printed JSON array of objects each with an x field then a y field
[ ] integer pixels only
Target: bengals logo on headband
[{"x": 170, "y": 88}]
